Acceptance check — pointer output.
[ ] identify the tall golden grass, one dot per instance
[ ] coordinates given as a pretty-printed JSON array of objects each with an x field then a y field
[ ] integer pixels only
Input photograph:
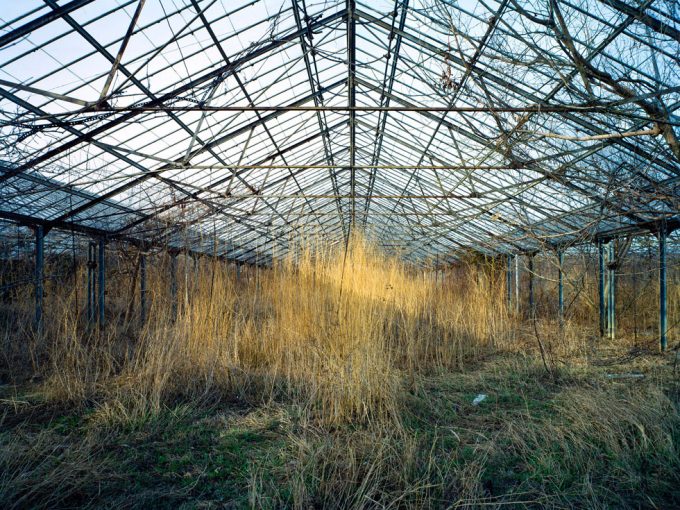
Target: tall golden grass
[{"x": 340, "y": 332}]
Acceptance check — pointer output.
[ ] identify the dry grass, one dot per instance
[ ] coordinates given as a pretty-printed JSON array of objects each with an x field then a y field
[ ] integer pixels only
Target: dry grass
[
  {"x": 42, "y": 469},
  {"x": 578, "y": 440},
  {"x": 338, "y": 335},
  {"x": 330, "y": 382}
]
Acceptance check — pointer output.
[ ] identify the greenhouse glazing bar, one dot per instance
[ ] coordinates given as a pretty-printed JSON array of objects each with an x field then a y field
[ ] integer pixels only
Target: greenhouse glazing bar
[
  {"x": 530, "y": 108},
  {"x": 506, "y": 233}
]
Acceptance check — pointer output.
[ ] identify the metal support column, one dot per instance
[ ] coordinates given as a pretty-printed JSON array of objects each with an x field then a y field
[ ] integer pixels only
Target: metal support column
[
  {"x": 508, "y": 283},
  {"x": 173, "y": 285},
  {"x": 39, "y": 275},
  {"x": 560, "y": 287},
  {"x": 517, "y": 284},
  {"x": 611, "y": 294},
  {"x": 663, "y": 324},
  {"x": 91, "y": 286},
  {"x": 101, "y": 266},
  {"x": 601, "y": 270},
  {"x": 532, "y": 305},
  {"x": 142, "y": 287}
]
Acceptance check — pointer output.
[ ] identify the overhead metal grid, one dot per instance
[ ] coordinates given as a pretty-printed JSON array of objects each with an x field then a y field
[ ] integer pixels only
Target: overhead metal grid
[{"x": 438, "y": 126}]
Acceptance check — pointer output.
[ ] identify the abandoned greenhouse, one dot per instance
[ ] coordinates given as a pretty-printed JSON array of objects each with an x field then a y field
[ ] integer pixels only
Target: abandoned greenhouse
[{"x": 339, "y": 254}]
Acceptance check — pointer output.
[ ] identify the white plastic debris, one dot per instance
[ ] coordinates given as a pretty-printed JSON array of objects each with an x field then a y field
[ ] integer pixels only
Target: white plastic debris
[{"x": 479, "y": 399}]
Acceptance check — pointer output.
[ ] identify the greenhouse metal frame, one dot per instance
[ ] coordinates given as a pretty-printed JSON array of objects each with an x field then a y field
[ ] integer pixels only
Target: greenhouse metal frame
[{"x": 438, "y": 127}]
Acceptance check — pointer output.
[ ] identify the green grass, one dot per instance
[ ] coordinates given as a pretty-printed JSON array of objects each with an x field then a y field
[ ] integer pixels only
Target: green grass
[{"x": 571, "y": 439}]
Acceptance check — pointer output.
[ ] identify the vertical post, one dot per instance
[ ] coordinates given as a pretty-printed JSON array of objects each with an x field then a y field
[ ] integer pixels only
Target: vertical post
[
  {"x": 91, "y": 265},
  {"x": 560, "y": 287},
  {"x": 517, "y": 283},
  {"x": 600, "y": 252},
  {"x": 102, "y": 281},
  {"x": 663, "y": 325},
  {"x": 532, "y": 307},
  {"x": 142, "y": 287},
  {"x": 186, "y": 279},
  {"x": 173, "y": 285},
  {"x": 611, "y": 305},
  {"x": 508, "y": 283},
  {"x": 39, "y": 275}
]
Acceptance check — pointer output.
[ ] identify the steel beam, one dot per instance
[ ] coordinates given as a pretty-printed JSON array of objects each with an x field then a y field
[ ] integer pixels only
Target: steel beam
[
  {"x": 219, "y": 72},
  {"x": 601, "y": 287},
  {"x": 388, "y": 84},
  {"x": 314, "y": 85},
  {"x": 532, "y": 304},
  {"x": 611, "y": 291},
  {"x": 508, "y": 280},
  {"x": 121, "y": 50},
  {"x": 41, "y": 21},
  {"x": 457, "y": 129},
  {"x": 505, "y": 84},
  {"x": 663, "y": 319},
  {"x": 181, "y": 161},
  {"x": 142, "y": 287},
  {"x": 101, "y": 291},
  {"x": 39, "y": 276},
  {"x": 91, "y": 285},
  {"x": 248, "y": 97},
  {"x": 644, "y": 18},
  {"x": 517, "y": 283},
  {"x": 531, "y": 108}
]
